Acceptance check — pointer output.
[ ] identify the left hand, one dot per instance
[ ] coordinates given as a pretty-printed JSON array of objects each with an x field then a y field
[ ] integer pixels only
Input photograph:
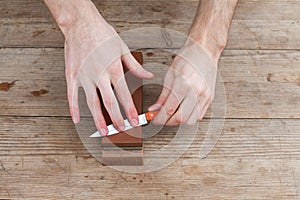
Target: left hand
[{"x": 188, "y": 88}]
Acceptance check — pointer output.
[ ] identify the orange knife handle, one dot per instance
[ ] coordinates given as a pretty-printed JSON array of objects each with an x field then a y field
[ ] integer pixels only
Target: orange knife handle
[{"x": 150, "y": 115}]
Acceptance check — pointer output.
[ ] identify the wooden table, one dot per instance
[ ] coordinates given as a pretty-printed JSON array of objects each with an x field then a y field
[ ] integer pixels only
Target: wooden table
[{"x": 257, "y": 156}]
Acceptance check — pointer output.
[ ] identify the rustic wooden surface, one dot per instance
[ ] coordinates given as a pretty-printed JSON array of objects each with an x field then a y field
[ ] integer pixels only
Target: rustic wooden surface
[{"x": 257, "y": 156}]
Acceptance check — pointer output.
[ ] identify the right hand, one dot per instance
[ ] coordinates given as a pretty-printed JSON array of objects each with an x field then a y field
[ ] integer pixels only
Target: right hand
[{"x": 94, "y": 54}]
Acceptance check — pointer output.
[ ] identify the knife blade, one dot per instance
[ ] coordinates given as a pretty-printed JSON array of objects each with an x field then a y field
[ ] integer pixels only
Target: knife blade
[{"x": 143, "y": 120}]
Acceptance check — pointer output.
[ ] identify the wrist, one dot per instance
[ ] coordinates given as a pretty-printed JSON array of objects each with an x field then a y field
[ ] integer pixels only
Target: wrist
[
  {"x": 74, "y": 15},
  {"x": 77, "y": 15},
  {"x": 211, "y": 26},
  {"x": 86, "y": 25},
  {"x": 210, "y": 33},
  {"x": 213, "y": 46}
]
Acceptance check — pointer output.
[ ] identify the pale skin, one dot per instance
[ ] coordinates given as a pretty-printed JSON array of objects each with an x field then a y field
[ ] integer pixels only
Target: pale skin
[{"x": 184, "y": 98}]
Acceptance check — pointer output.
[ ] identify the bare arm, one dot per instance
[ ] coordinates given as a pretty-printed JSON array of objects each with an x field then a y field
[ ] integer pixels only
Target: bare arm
[
  {"x": 66, "y": 13},
  {"x": 72, "y": 15},
  {"x": 211, "y": 25},
  {"x": 189, "y": 84}
]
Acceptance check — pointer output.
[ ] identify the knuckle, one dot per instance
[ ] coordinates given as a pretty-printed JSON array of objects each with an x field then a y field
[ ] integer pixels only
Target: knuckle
[
  {"x": 125, "y": 97},
  {"x": 170, "y": 111},
  {"x": 71, "y": 74},
  {"x": 101, "y": 123},
  {"x": 102, "y": 82},
  {"x": 132, "y": 112},
  {"x": 201, "y": 89},
  {"x": 180, "y": 120},
  {"x": 108, "y": 102},
  {"x": 116, "y": 73},
  {"x": 92, "y": 106},
  {"x": 115, "y": 70},
  {"x": 119, "y": 122},
  {"x": 208, "y": 96},
  {"x": 117, "y": 118},
  {"x": 91, "y": 102}
]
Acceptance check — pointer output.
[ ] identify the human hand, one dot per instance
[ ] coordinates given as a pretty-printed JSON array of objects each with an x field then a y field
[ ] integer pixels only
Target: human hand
[
  {"x": 94, "y": 54},
  {"x": 189, "y": 86}
]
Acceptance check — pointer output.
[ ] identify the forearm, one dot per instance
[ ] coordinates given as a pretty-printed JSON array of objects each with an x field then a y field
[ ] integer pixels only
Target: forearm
[
  {"x": 211, "y": 25},
  {"x": 73, "y": 13}
]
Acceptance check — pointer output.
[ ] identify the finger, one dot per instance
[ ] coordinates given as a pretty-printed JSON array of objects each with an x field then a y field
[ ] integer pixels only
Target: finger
[
  {"x": 111, "y": 104},
  {"x": 197, "y": 112},
  {"x": 72, "y": 86},
  {"x": 72, "y": 89},
  {"x": 185, "y": 110},
  {"x": 95, "y": 108},
  {"x": 177, "y": 94},
  {"x": 205, "y": 107},
  {"x": 125, "y": 99},
  {"x": 168, "y": 82},
  {"x": 135, "y": 67},
  {"x": 203, "y": 110}
]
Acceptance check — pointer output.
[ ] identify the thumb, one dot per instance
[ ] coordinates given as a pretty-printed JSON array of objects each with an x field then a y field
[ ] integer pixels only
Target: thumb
[{"x": 168, "y": 82}]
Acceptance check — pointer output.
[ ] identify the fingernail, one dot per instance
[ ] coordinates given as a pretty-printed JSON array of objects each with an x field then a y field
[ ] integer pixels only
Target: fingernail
[
  {"x": 134, "y": 122},
  {"x": 122, "y": 128},
  {"x": 154, "y": 107},
  {"x": 103, "y": 131}
]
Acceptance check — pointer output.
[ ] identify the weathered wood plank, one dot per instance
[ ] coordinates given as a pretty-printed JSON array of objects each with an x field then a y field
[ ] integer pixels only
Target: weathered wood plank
[
  {"x": 44, "y": 136},
  {"x": 241, "y": 138},
  {"x": 43, "y": 158},
  {"x": 112, "y": 9},
  {"x": 67, "y": 177},
  {"x": 264, "y": 24},
  {"x": 268, "y": 79}
]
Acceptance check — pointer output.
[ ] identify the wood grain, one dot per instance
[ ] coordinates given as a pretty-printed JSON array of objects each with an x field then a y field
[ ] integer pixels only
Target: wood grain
[
  {"x": 270, "y": 79},
  {"x": 252, "y": 156},
  {"x": 55, "y": 177},
  {"x": 241, "y": 138},
  {"x": 266, "y": 24},
  {"x": 67, "y": 177},
  {"x": 117, "y": 157},
  {"x": 256, "y": 157}
]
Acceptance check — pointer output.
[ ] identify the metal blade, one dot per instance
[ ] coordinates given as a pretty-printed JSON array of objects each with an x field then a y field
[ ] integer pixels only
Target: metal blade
[{"x": 112, "y": 130}]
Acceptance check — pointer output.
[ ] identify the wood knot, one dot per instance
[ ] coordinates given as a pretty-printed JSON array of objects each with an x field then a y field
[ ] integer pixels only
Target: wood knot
[
  {"x": 5, "y": 86},
  {"x": 39, "y": 93}
]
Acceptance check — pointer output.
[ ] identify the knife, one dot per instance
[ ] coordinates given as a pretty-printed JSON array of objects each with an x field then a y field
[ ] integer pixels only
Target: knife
[{"x": 143, "y": 120}]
